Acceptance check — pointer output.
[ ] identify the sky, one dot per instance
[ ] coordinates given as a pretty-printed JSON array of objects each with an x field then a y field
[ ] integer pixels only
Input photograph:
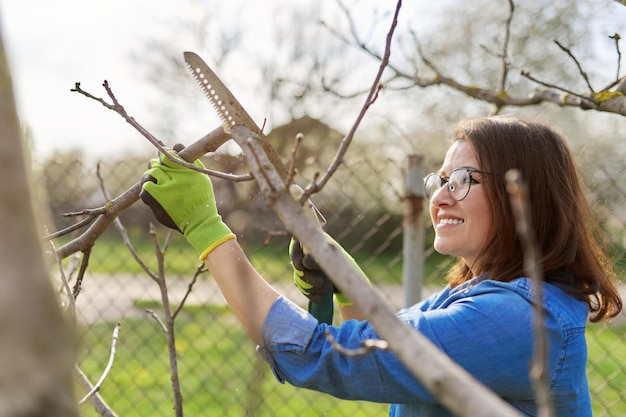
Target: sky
[{"x": 52, "y": 45}]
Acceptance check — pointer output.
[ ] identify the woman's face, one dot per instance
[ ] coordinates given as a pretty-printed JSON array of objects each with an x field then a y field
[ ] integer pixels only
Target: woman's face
[{"x": 461, "y": 227}]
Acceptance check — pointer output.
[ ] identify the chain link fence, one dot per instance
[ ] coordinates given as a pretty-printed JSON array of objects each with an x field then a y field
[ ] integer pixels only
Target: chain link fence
[{"x": 217, "y": 366}]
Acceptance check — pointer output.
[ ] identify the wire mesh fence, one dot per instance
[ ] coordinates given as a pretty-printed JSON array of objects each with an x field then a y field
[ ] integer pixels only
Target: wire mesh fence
[{"x": 217, "y": 366}]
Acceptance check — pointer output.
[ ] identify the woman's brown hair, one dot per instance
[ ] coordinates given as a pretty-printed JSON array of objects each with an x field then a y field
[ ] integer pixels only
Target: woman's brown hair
[{"x": 565, "y": 228}]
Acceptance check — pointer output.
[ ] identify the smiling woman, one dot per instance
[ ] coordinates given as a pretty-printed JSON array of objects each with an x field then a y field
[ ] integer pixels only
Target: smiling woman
[{"x": 482, "y": 320}]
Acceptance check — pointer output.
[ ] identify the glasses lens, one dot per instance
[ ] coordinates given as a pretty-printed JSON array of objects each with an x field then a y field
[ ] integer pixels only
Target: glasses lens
[
  {"x": 432, "y": 183},
  {"x": 459, "y": 184}
]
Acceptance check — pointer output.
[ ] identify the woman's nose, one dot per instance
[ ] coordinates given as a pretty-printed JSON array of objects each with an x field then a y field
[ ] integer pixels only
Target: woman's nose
[{"x": 441, "y": 197}]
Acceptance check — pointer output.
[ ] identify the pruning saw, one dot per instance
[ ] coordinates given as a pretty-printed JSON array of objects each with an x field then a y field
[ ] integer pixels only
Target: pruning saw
[{"x": 232, "y": 114}]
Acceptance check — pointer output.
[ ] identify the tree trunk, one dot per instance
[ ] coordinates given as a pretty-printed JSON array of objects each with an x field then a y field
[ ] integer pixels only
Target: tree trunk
[{"x": 37, "y": 350}]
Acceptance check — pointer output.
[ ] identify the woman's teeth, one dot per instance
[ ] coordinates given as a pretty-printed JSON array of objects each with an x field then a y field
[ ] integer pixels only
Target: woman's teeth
[{"x": 450, "y": 221}]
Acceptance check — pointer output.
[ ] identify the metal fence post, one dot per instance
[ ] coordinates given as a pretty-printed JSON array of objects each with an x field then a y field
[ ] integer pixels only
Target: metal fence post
[{"x": 413, "y": 236}]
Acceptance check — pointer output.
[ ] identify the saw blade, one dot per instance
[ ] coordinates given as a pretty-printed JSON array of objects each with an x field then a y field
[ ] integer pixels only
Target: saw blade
[{"x": 228, "y": 108}]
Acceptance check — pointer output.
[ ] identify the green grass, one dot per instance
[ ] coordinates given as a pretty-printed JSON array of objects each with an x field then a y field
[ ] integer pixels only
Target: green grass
[
  {"x": 607, "y": 379},
  {"x": 220, "y": 372},
  {"x": 111, "y": 256}
]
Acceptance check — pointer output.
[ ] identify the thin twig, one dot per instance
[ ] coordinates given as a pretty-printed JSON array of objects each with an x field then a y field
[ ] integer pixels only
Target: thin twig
[
  {"x": 169, "y": 324},
  {"x": 84, "y": 263},
  {"x": 552, "y": 86},
  {"x": 518, "y": 194},
  {"x": 119, "y": 109},
  {"x": 580, "y": 69},
  {"x": 371, "y": 98},
  {"x": 201, "y": 268},
  {"x": 72, "y": 266},
  {"x": 78, "y": 225},
  {"x": 96, "y": 388},
  {"x": 64, "y": 282},
  {"x": 106, "y": 209},
  {"x": 294, "y": 156},
  {"x": 122, "y": 231},
  {"x": 99, "y": 405},
  {"x": 504, "y": 55},
  {"x": 367, "y": 346},
  {"x": 152, "y": 314},
  {"x": 617, "y": 38}
]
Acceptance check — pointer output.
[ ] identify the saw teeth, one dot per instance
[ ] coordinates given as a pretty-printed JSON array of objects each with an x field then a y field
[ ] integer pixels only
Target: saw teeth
[{"x": 212, "y": 96}]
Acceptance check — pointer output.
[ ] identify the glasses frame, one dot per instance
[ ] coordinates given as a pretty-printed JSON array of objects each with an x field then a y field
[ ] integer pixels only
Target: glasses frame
[{"x": 446, "y": 180}]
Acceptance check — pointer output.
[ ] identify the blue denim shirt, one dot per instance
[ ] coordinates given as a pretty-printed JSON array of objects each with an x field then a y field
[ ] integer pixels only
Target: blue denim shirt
[{"x": 483, "y": 325}]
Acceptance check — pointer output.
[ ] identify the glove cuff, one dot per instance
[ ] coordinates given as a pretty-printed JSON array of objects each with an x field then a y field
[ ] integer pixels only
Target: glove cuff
[
  {"x": 205, "y": 234},
  {"x": 214, "y": 245}
]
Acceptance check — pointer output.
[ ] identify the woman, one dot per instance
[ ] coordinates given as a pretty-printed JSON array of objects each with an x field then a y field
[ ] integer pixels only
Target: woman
[{"x": 482, "y": 319}]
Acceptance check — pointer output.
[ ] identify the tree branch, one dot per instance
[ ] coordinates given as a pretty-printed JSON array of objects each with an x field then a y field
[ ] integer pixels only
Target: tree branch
[
  {"x": 367, "y": 347},
  {"x": 98, "y": 403},
  {"x": 107, "y": 369},
  {"x": 518, "y": 195},
  {"x": 580, "y": 68},
  {"x": 180, "y": 306},
  {"x": 208, "y": 143},
  {"x": 498, "y": 97},
  {"x": 317, "y": 185}
]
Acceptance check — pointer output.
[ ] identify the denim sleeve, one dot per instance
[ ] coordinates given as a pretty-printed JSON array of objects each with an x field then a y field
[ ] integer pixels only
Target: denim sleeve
[{"x": 489, "y": 335}]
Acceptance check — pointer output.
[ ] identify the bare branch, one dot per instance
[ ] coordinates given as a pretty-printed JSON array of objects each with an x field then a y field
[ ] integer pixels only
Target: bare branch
[
  {"x": 168, "y": 325},
  {"x": 84, "y": 262},
  {"x": 107, "y": 369},
  {"x": 504, "y": 55},
  {"x": 367, "y": 347},
  {"x": 78, "y": 225},
  {"x": 157, "y": 319},
  {"x": 98, "y": 403},
  {"x": 123, "y": 233},
  {"x": 552, "y": 86},
  {"x": 605, "y": 101},
  {"x": 518, "y": 195},
  {"x": 201, "y": 268},
  {"x": 617, "y": 38},
  {"x": 580, "y": 69},
  {"x": 119, "y": 109},
  {"x": 64, "y": 283},
  {"x": 371, "y": 98},
  {"x": 294, "y": 157},
  {"x": 208, "y": 143}
]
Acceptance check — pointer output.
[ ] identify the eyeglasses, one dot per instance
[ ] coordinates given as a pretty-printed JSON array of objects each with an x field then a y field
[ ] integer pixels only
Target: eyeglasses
[{"x": 459, "y": 183}]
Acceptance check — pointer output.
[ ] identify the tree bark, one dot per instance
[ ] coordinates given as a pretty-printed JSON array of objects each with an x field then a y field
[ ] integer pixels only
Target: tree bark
[{"x": 37, "y": 350}]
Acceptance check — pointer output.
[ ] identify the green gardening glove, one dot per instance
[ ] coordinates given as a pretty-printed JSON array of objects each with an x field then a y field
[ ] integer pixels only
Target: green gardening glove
[
  {"x": 311, "y": 279},
  {"x": 183, "y": 199}
]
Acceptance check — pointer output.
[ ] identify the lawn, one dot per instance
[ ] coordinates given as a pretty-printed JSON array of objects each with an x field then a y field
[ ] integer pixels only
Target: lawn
[
  {"x": 607, "y": 377},
  {"x": 220, "y": 372},
  {"x": 111, "y": 256}
]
